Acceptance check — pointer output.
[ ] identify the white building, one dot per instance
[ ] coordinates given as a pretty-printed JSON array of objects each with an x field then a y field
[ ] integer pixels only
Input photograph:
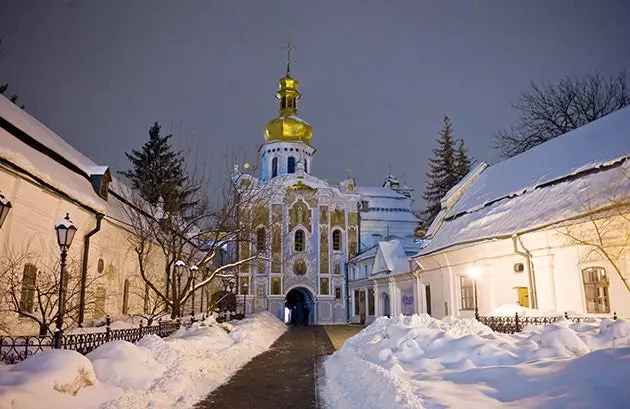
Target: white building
[
  {"x": 548, "y": 229},
  {"x": 45, "y": 178}
]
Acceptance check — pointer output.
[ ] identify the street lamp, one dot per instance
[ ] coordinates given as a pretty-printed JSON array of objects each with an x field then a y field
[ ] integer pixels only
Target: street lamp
[
  {"x": 474, "y": 273},
  {"x": 194, "y": 270},
  {"x": 65, "y": 233},
  {"x": 244, "y": 295},
  {"x": 5, "y": 207},
  {"x": 180, "y": 267}
]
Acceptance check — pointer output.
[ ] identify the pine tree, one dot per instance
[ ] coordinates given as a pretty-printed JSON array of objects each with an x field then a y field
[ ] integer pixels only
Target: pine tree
[
  {"x": 158, "y": 173},
  {"x": 442, "y": 175},
  {"x": 462, "y": 161}
]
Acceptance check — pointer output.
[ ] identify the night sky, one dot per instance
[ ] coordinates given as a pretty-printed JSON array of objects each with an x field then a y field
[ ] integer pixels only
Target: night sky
[{"x": 377, "y": 77}]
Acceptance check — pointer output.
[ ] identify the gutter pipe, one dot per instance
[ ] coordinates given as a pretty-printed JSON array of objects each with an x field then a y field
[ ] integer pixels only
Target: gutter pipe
[{"x": 84, "y": 265}]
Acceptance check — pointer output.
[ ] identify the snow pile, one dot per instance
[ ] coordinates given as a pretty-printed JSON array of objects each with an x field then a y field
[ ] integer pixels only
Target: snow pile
[
  {"x": 417, "y": 362},
  {"x": 174, "y": 372}
]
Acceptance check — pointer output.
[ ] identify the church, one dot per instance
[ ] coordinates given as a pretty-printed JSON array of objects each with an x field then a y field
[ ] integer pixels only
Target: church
[{"x": 313, "y": 228}]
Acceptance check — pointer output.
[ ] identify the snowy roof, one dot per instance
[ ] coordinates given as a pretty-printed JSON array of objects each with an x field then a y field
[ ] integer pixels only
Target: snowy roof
[
  {"x": 394, "y": 258},
  {"x": 389, "y": 216},
  {"x": 376, "y": 191},
  {"x": 369, "y": 253},
  {"x": 589, "y": 146},
  {"x": 537, "y": 202}
]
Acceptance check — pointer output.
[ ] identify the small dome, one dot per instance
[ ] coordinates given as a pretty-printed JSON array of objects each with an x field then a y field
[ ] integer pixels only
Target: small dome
[
  {"x": 288, "y": 83},
  {"x": 288, "y": 129}
]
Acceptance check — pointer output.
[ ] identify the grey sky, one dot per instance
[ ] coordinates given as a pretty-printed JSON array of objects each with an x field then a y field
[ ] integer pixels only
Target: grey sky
[{"x": 377, "y": 77}]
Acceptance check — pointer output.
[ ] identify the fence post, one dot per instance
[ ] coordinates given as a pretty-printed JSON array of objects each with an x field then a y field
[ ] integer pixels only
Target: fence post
[
  {"x": 615, "y": 316},
  {"x": 566, "y": 315},
  {"x": 141, "y": 327},
  {"x": 517, "y": 322},
  {"x": 108, "y": 330}
]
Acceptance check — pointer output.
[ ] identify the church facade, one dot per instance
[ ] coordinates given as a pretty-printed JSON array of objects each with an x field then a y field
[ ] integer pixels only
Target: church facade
[{"x": 311, "y": 228}]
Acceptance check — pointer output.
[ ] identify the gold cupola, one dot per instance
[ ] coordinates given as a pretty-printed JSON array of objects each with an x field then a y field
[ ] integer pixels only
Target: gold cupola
[{"x": 288, "y": 127}]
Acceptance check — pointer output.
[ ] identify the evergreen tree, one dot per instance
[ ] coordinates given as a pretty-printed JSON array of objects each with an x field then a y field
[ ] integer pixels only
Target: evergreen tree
[
  {"x": 462, "y": 161},
  {"x": 443, "y": 174},
  {"x": 158, "y": 173}
]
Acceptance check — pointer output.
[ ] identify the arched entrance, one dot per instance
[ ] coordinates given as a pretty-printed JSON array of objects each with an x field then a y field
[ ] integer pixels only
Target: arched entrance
[
  {"x": 385, "y": 307},
  {"x": 299, "y": 307}
]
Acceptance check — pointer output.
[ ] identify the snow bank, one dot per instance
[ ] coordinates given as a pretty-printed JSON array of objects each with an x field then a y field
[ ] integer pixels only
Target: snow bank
[
  {"x": 417, "y": 361},
  {"x": 174, "y": 372}
]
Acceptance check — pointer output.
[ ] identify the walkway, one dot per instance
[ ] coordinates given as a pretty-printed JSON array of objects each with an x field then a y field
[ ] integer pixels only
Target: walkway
[
  {"x": 339, "y": 333},
  {"x": 281, "y": 378}
]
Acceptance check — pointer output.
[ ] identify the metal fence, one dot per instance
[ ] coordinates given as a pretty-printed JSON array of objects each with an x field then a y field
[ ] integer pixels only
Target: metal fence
[
  {"x": 516, "y": 323},
  {"x": 16, "y": 348}
]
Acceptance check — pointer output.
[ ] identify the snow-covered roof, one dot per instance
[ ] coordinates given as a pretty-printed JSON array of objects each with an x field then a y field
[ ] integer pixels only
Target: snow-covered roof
[
  {"x": 589, "y": 146},
  {"x": 376, "y": 191},
  {"x": 394, "y": 259},
  {"x": 389, "y": 216},
  {"x": 367, "y": 254},
  {"x": 595, "y": 148}
]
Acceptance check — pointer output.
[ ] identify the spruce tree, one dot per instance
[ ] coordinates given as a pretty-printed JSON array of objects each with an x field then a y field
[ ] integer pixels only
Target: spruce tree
[
  {"x": 462, "y": 161},
  {"x": 442, "y": 175},
  {"x": 158, "y": 173}
]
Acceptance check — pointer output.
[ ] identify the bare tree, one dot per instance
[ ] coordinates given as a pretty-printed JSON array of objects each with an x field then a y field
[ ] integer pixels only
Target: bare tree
[
  {"x": 32, "y": 287},
  {"x": 604, "y": 229},
  {"x": 212, "y": 224},
  {"x": 550, "y": 110}
]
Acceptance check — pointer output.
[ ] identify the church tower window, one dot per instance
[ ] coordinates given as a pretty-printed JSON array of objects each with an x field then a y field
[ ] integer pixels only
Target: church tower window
[
  {"x": 274, "y": 167},
  {"x": 299, "y": 240},
  {"x": 336, "y": 239},
  {"x": 291, "y": 164}
]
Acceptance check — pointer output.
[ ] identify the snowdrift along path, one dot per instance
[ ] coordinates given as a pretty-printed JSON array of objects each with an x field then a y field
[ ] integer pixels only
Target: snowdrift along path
[{"x": 419, "y": 362}]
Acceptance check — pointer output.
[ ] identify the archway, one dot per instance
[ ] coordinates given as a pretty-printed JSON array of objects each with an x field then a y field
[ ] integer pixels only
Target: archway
[
  {"x": 385, "y": 307},
  {"x": 300, "y": 307}
]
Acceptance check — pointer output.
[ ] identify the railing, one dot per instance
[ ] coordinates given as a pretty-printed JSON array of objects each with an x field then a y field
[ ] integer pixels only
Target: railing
[
  {"x": 14, "y": 349},
  {"x": 516, "y": 323}
]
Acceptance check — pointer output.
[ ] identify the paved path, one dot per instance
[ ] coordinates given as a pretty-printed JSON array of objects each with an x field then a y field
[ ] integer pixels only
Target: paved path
[
  {"x": 281, "y": 378},
  {"x": 338, "y": 334}
]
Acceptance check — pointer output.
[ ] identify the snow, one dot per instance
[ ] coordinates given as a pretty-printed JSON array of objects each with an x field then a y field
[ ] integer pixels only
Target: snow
[
  {"x": 599, "y": 142},
  {"x": 394, "y": 256},
  {"x": 175, "y": 372},
  {"x": 420, "y": 362},
  {"x": 375, "y": 191},
  {"x": 533, "y": 209}
]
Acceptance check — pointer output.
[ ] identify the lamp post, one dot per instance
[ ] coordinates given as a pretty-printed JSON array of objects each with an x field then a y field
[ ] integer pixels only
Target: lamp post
[
  {"x": 180, "y": 267},
  {"x": 65, "y": 233},
  {"x": 194, "y": 270},
  {"x": 474, "y": 273},
  {"x": 5, "y": 207},
  {"x": 244, "y": 295}
]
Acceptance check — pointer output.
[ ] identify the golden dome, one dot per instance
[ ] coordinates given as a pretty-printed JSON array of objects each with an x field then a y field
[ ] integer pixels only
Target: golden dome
[{"x": 288, "y": 127}]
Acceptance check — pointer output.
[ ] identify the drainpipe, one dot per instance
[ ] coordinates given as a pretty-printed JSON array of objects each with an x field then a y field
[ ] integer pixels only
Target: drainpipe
[
  {"x": 345, "y": 273},
  {"x": 84, "y": 265},
  {"x": 358, "y": 227},
  {"x": 530, "y": 268}
]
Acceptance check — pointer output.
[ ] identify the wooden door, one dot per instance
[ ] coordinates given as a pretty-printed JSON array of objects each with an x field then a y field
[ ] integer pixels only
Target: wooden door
[{"x": 523, "y": 296}]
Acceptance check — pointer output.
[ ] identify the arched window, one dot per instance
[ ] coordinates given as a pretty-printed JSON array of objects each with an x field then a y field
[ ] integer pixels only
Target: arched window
[
  {"x": 336, "y": 240},
  {"x": 27, "y": 296},
  {"x": 274, "y": 167},
  {"x": 299, "y": 240},
  {"x": 291, "y": 165},
  {"x": 260, "y": 240},
  {"x": 596, "y": 290}
]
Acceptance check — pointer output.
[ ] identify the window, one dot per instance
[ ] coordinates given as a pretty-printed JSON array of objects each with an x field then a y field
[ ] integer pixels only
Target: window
[
  {"x": 260, "y": 240},
  {"x": 356, "y": 302},
  {"x": 336, "y": 237},
  {"x": 467, "y": 293},
  {"x": 305, "y": 166},
  {"x": 337, "y": 267},
  {"x": 365, "y": 270},
  {"x": 324, "y": 286},
  {"x": 365, "y": 205},
  {"x": 125, "y": 306},
  {"x": 283, "y": 102},
  {"x": 274, "y": 167},
  {"x": 275, "y": 285},
  {"x": 299, "y": 240},
  {"x": 371, "y": 302},
  {"x": 337, "y": 293},
  {"x": 291, "y": 164},
  {"x": 27, "y": 296},
  {"x": 596, "y": 290}
]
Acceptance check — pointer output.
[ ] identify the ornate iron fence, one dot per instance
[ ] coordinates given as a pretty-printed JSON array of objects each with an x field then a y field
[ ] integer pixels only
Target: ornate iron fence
[
  {"x": 14, "y": 349},
  {"x": 516, "y": 323}
]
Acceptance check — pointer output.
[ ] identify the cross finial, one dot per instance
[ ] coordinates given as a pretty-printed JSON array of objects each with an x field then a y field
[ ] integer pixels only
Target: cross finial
[
  {"x": 288, "y": 48},
  {"x": 349, "y": 172},
  {"x": 390, "y": 168}
]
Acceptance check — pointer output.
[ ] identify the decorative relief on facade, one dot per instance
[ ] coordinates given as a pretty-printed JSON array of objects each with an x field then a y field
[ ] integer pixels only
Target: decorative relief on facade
[
  {"x": 300, "y": 214},
  {"x": 324, "y": 286},
  {"x": 276, "y": 285},
  {"x": 261, "y": 293},
  {"x": 299, "y": 267},
  {"x": 262, "y": 267},
  {"x": 337, "y": 267},
  {"x": 323, "y": 215},
  {"x": 244, "y": 253},
  {"x": 353, "y": 218},
  {"x": 352, "y": 242},
  {"x": 323, "y": 250},
  {"x": 276, "y": 249},
  {"x": 309, "y": 278},
  {"x": 260, "y": 215},
  {"x": 338, "y": 217}
]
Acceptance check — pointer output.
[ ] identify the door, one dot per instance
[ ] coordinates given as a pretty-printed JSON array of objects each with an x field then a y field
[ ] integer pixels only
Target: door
[
  {"x": 427, "y": 297},
  {"x": 523, "y": 296},
  {"x": 362, "y": 307}
]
